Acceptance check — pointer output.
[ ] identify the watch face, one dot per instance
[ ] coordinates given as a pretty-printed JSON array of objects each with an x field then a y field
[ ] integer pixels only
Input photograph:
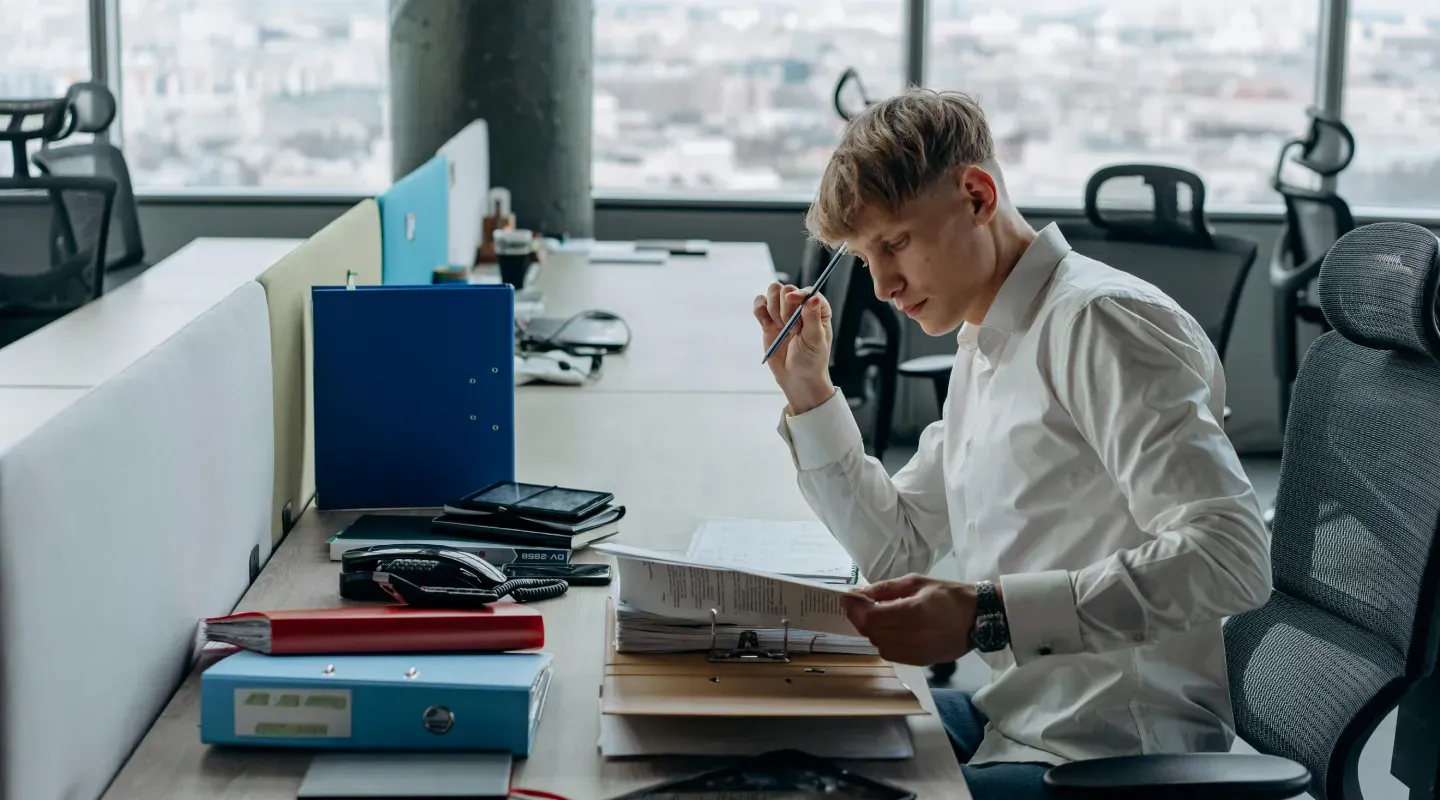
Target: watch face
[{"x": 990, "y": 634}]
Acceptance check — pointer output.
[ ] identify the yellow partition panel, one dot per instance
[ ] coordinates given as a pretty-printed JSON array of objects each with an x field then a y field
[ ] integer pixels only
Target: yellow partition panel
[{"x": 348, "y": 246}]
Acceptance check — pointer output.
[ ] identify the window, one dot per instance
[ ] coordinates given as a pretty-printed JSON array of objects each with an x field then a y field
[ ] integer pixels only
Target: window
[
  {"x": 698, "y": 96},
  {"x": 1392, "y": 104},
  {"x": 273, "y": 94},
  {"x": 46, "y": 47},
  {"x": 1214, "y": 86}
]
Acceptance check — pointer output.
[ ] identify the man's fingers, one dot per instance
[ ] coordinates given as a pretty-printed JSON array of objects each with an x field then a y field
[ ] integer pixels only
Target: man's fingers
[
  {"x": 772, "y": 301},
  {"x": 813, "y": 320},
  {"x": 762, "y": 314},
  {"x": 895, "y": 588},
  {"x": 790, "y": 299},
  {"x": 903, "y": 615}
]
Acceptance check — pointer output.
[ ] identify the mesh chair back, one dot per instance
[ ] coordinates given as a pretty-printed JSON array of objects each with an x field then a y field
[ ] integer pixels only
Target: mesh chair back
[
  {"x": 52, "y": 243},
  {"x": 102, "y": 160},
  {"x": 1350, "y": 624}
]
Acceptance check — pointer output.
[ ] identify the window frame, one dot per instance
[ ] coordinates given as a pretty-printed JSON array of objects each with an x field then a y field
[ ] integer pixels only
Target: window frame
[{"x": 1329, "y": 99}]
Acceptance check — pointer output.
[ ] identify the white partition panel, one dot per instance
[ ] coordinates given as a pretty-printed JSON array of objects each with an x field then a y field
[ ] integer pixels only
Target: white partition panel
[{"x": 135, "y": 510}]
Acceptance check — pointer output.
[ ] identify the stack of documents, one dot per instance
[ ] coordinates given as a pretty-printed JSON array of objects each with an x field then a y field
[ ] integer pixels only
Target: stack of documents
[
  {"x": 642, "y": 632},
  {"x": 683, "y": 704},
  {"x": 797, "y": 549},
  {"x": 684, "y": 590}
]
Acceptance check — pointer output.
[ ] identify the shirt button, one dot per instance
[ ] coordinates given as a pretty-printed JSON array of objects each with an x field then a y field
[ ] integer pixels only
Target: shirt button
[
  {"x": 1139, "y": 637},
  {"x": 969, "y": 445},
  {"x": 970, "y": 526},
  {"x": 1044, "y": 651}
]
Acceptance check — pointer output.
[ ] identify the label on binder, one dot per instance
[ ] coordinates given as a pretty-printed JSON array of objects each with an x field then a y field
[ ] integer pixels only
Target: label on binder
[{"x": 293, "y": 713}]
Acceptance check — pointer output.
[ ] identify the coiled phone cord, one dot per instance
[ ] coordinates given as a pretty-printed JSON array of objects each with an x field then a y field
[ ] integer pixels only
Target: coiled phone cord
[{"x": 528, "y": 590}]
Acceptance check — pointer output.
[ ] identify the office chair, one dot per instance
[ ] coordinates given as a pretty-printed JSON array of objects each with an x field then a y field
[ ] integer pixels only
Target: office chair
[
  {"x": 52, "y": 248},
  {"x": 24, "y": 121},
  {"x": 1162, "y": 242},
  {"x": 1351, "y": 626},
  {"x": 866, "y": 348},
  {"x": 91, "y": 109},
  {"x": 1314, "y": 219}
]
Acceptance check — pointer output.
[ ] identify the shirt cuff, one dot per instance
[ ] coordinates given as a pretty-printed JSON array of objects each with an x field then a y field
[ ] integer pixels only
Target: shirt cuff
[
  {"x": 823, "y": 435},
  {"x": 1040, "y": 612}
]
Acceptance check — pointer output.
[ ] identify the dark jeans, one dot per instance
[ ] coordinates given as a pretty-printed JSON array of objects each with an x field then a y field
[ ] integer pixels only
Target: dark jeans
[{"x": 966, "y": 727}]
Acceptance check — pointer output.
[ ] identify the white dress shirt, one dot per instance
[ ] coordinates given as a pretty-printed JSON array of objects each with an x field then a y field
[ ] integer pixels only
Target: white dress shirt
[{"x": 1080, "y": 463}]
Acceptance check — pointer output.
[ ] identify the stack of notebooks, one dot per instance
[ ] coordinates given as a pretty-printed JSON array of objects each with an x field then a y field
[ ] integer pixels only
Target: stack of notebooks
[
  {"x": 497, "y": 538},
  {"x": 517, "y": 527}
]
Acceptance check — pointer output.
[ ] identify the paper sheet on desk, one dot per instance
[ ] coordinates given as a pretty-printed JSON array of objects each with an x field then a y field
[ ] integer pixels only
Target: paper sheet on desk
[{"x": 674, "y": 586}]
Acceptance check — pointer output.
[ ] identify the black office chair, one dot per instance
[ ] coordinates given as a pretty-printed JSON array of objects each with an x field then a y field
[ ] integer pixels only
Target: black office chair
[
  {"x": 1162, "y": 237},
  {"x": 26, "y": 121},
  {"x": 1314, "y": 219},
  {"x": 1351, "y": 626},
  {"x": 866, "y": 348},
  {"x": 52, "y": 248},
  {"x": 91, "y": 108}
]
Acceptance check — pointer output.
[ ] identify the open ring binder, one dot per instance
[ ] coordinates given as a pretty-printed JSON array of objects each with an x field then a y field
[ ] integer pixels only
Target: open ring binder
[{"x": 748, "y": 649}]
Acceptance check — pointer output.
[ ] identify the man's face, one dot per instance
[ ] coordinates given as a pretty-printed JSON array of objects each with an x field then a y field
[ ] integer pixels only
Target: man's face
[{"x": 935, "y": 259}]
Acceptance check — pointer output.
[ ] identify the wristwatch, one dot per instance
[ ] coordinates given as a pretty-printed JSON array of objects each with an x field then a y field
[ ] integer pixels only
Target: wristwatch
[{"x": 992, "y": 632}]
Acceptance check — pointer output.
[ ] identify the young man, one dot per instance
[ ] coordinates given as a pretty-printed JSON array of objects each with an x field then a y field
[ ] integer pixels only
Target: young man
[{"x": 1079, "y": 473}]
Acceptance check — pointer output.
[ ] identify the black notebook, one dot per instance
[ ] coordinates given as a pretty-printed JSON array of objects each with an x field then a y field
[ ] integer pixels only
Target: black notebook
[{"x": 515, "y": 529}]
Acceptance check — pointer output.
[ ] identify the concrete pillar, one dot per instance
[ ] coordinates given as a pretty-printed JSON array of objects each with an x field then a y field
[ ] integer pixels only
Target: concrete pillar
[{"x": 525, "y": 67}]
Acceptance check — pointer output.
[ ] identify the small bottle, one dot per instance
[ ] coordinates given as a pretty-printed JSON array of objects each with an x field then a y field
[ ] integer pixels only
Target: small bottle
[{"x": 500, "y": 218}]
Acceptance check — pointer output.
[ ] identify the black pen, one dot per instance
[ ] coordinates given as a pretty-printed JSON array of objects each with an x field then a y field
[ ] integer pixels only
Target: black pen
[{"x": 794, "y": 318}]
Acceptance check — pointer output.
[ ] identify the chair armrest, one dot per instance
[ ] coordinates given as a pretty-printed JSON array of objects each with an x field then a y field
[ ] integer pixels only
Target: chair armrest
[
  {"x": 926, "y": 366},
  {"x": 1179, "y": 777}
]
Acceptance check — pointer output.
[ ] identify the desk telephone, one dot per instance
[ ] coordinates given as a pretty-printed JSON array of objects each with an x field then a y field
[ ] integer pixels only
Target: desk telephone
[{"x": 435, "y": 577}]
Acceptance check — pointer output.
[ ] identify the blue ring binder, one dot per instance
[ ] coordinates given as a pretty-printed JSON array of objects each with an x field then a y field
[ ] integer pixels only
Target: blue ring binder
[{"x": 414, "y": 393}]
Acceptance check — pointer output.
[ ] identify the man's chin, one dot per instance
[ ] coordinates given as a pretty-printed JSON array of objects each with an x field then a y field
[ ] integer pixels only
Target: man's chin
[{"x": 934, "y": 327}]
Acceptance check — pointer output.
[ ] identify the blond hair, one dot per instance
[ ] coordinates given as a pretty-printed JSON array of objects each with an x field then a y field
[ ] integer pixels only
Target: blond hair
[{"x": 895, "y": 150}]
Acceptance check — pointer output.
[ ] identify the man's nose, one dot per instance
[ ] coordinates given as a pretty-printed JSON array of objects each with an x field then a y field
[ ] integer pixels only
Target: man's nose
[{"x": 888, "y": 283}]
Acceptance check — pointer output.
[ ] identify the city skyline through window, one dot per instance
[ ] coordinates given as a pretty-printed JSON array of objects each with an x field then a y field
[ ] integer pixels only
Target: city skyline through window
[{"x": 724, "y": 97}]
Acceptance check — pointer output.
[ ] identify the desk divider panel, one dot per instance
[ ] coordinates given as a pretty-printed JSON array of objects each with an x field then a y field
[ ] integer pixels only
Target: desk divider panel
[
  {"x": 139, "y": 508},
  {"x": 349, "y": 244}
]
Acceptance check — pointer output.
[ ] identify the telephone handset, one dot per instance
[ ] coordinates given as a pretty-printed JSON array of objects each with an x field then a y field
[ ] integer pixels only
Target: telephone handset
[{"x": 435, "y": 577}]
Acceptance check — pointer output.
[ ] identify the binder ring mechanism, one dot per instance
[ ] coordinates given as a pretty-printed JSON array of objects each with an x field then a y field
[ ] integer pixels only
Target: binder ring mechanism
[{"x": 748, "y": 649}]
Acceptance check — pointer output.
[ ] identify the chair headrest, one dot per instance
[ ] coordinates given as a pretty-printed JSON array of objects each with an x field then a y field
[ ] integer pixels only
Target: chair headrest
[
  {"x": 92, "y": 107},
  {"x": 1169, "y": 217},
  {"x": 23, "y": 120},
  {"x": 1377, "y": 287}
]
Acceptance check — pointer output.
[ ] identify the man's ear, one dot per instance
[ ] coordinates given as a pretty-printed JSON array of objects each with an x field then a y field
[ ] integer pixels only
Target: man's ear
[{"x": 978, "y": 186}]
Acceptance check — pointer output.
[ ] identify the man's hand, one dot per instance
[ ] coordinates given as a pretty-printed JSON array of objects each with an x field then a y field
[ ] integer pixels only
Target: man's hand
[
  {"x": 914, "y": 619},
  {"x": 801, "y": 365}
]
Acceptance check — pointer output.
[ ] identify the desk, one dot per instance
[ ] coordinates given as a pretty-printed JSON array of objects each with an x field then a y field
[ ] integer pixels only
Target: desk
[
  {"x": 690, "y": 317},
  {"x": 672, "y": 450}
]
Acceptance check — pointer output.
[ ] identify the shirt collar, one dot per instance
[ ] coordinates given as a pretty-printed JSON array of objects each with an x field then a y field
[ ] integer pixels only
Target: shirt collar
[{"x": 1016, "y": 296}]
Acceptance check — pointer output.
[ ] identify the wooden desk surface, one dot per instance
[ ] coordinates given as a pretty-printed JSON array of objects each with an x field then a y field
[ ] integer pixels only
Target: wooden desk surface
[{"x": 674, "y": 457}]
